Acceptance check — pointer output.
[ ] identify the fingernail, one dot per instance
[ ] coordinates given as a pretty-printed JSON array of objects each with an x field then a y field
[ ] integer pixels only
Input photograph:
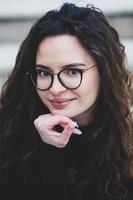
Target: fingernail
[
  {"x": 76, "y": 125},
  {"x": 73, "y": 124},
  {"x": 77, "y": 131}
]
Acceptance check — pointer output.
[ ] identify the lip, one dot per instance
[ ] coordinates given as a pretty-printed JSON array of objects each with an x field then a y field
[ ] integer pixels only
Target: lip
[{"x": 60, "y": 103}]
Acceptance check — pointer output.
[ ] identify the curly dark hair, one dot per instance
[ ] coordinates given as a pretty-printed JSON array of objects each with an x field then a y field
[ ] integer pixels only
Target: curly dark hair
[{"x": 111, "y": 162}]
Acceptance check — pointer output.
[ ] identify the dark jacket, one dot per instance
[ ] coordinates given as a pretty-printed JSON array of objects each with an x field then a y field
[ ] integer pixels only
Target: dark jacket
[{"x": 54, "y": 176}]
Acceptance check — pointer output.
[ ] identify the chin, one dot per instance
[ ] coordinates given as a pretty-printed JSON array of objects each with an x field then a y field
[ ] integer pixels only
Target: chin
[{"x": 62, "y": 112}]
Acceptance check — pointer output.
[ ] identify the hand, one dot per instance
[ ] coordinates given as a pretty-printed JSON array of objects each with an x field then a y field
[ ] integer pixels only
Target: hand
[{"x": 45, "y": 124}]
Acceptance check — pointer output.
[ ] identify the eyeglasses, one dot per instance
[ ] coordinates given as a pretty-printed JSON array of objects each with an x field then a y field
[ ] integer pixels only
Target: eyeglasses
[{"x": 70, "y": 78}]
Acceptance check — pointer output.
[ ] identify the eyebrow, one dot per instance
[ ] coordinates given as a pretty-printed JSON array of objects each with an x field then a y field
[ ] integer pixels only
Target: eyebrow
[{"x": 63, "y": 67}]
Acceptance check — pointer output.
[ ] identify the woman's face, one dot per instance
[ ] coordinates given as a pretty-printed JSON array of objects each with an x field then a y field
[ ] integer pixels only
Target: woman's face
[{"x": 55, "y": 52}]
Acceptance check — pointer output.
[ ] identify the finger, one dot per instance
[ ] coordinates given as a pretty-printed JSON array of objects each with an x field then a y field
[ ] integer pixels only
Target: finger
[
  {"x": 53, "y": 133},
  {"x": 56, "y": 139},
  {"x": 59, "y": 119},
  {"x": 66, "y": 134},
  {"x": 50, "y": 121},
  {"x": 59, "y": 140},
  {"x": 77, "y": 131}
]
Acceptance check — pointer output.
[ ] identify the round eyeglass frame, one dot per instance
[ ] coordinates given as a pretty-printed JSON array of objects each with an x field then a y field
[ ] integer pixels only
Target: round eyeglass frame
[{"x": 59, "y": 78}]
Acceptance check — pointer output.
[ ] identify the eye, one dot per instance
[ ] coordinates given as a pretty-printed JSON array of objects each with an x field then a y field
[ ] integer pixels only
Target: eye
[
  {"x": 43, "y": 73},
  {"x": 73, "y": 72}
]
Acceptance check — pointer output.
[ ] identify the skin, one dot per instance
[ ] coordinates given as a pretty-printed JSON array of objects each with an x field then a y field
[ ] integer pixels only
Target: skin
[{"x": 56, "y": 52}]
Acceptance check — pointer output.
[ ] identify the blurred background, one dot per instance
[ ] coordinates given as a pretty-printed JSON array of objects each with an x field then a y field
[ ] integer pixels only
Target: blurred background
[{"x": 17, "y": 17}]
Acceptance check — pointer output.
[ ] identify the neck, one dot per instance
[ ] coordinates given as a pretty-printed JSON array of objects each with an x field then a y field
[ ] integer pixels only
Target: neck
[{"x": 86, "y": 117}]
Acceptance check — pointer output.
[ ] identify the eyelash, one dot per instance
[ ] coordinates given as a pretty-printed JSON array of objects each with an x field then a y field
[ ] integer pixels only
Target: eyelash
[
  {"x": 74, "y": 70},
  {"x": 41, "y": 70},
  {"x": 80, "y": 70}
]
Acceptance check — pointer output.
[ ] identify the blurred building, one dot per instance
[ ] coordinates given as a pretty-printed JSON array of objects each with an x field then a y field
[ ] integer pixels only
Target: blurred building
[{"x": 16, "y": 18}]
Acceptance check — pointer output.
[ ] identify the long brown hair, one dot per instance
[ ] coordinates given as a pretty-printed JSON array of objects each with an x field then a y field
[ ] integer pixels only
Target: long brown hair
[{"x": 111, "y": 161}]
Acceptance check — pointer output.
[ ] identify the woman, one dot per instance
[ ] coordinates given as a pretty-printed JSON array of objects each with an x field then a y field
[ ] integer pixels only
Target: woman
[{"x": 65, "y": 115}]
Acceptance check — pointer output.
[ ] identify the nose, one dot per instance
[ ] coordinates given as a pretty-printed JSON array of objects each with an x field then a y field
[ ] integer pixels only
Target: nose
[{"x": 56, "y": 87}]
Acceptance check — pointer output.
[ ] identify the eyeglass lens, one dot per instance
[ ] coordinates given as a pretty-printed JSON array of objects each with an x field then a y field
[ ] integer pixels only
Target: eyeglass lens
[{"x": 69, "y": 78}]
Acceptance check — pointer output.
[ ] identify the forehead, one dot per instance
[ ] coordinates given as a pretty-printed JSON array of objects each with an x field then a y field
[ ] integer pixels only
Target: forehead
[
  {"x": 58, "y": 42},
  {"x": 61, "y": 50}
]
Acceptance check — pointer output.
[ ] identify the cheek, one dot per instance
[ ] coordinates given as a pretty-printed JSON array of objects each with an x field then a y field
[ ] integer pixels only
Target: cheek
[
  {"x": 42, "y": 95},
  {"x": 90, "y": 88}
]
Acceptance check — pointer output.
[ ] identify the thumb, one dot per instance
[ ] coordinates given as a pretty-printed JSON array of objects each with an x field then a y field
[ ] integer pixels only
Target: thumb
[{"x": 68, "y": 130}]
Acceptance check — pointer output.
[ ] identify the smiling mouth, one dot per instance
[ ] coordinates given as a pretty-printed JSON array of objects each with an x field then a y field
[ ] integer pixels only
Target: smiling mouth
[{"x": 59, "y": 104}]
